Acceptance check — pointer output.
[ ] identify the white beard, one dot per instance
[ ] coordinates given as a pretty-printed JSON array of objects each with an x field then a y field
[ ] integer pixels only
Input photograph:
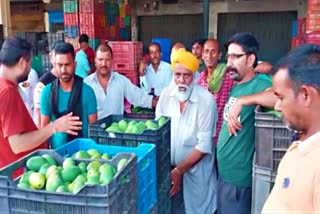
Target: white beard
[{"x": 183, "y": 95}]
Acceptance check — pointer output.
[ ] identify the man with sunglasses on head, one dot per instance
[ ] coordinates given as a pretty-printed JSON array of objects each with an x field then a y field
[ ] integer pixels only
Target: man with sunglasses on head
[{"x": 235, "y": 151}]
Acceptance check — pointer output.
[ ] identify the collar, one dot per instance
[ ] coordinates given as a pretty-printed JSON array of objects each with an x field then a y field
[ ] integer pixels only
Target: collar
[
  {"x": 307, "y": 145},
  {"x": 95, "y": 77},
  {"x": 193, "y": 97},
  {"x": 159, "y": 68}
]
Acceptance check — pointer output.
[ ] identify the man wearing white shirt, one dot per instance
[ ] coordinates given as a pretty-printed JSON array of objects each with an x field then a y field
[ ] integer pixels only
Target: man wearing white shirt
[
  {"x": 26, "y": 89},
  {"x": 111, "y": 87},
  {"x": 157, "y": 74},
  {"x": 193, "y": 113}
]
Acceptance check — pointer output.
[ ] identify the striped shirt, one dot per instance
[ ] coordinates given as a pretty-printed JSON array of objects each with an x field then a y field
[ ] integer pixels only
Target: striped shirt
[{"x": 221, "y": 97}]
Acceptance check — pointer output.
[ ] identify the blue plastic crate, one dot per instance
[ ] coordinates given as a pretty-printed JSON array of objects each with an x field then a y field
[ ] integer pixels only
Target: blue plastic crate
[
  {"x": 165, "y": 44},
  {"x": 55, "y": 16},
  {"x": 160, "y": 137},
  {"x": 146, "y": 153},
  {"x": 71, "y": 31},
  {"x": 115, "y": 197},
  {"x": 294, "y": 28},
  {"x": 111, "y": 19}
]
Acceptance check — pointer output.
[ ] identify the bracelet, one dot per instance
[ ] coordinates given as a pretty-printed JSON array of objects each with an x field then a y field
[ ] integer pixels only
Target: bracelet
[{"x": 177, "y": 170}]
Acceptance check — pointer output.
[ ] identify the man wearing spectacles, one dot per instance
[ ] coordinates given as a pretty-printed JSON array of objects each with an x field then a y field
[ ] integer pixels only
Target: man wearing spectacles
[{"x": 235, "y": 151}]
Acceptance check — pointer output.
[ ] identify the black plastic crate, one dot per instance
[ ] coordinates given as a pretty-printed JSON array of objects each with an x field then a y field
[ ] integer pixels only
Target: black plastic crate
[
  {"x": 164, "y": 201},
  {"x": 119, "y": 196},
  {"x": 272, "y": 139},
  {"x": 159, "y": 137},
  {"x": 146, "y": 116}
]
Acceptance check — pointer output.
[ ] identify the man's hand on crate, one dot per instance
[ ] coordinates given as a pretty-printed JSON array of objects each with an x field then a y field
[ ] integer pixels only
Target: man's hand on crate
[{"x": 234, "y": 123}]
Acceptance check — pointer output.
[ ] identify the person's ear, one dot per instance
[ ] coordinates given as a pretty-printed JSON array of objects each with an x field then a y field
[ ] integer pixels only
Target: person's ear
[{"x": 251, "y": 60}]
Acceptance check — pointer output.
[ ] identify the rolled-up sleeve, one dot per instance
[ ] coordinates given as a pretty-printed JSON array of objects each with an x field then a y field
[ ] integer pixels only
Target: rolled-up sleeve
[{"x": 207, "y": 124}]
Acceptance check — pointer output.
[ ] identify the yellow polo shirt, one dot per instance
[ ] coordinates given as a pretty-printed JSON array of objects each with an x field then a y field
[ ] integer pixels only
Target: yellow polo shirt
[{"x": 297, "y": 185}]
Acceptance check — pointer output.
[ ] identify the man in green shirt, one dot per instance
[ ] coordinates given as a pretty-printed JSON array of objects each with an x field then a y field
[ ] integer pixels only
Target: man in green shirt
[{"x": 235, "y": 151}]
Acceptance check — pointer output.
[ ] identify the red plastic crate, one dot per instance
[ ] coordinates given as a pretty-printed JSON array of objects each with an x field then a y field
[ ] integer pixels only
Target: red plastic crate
[
  {"x": 91, "y": 6},
  {"x": 124, "y": 66},
  {"x": 313, "y": 37},
  {"x": 71, "y": 18},
  {"x": 128, "y": 10},
  {"x": 296, "y": 41},
  {"x": 93, "y": 24},
  {"x": 126, "y": 52},
  {"x": 122, "y": 22},
  {"x": 92, "y": 20}
]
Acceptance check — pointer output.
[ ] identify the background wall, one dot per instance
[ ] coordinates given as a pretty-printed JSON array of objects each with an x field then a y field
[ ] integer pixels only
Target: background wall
[{"x": 232, "y": 6}]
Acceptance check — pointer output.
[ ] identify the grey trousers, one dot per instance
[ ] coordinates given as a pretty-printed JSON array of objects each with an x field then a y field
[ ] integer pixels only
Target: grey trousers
[{"x": 233, "y": 199}]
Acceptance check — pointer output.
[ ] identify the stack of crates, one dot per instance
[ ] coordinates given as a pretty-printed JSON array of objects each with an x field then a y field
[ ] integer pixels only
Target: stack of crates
[
  {"x": 112, "y": 20},
  {"x": 298, "y": 32},
  {"x": 126, "y": 58},
  {"x": 125, "y": 22},
  {"x": 118, "y": 196},
  {"x": 71, "y": 19},
  {"x": 313, "y": 22},
  {"x": 272, "y": 139},
  {"x": 93, "y": 20},
  {"x": 160, "y": 137}
]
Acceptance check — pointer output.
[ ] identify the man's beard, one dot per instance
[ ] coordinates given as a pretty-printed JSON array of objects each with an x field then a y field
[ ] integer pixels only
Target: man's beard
[
  {"x": 23, "y": 78},
  {"x": 183, "y": 92}
]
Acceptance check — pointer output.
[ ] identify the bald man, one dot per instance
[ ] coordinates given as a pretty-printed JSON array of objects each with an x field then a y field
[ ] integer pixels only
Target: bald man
[
  {"x": 193, "y": 115},
  {"x": 214, "y": 78}
]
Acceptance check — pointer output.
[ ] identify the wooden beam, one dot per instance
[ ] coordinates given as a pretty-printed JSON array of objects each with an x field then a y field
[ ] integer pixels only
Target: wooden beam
[{"x": 5, "y": 17}]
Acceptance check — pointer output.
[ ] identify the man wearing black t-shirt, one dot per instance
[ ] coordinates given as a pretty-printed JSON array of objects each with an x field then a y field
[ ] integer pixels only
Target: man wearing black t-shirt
[{"x": 46, "y": 78}]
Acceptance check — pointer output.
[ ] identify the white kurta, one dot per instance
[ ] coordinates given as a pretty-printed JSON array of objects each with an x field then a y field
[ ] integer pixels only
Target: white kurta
[
  {"x": 156, "y": 80},
  {"x": 110, "y": 101},
  {"x": 26, "y": 92},
  {"x": 193, "y": 128}
]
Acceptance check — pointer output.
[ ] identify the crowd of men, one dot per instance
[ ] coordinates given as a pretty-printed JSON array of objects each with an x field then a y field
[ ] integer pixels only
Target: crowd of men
[{"x": 211, "y": 105}]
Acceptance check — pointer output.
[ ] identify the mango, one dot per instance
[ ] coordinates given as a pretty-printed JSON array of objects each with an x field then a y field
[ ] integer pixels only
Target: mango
[
  {"x": 122, "y": 163},
  {"x": 69, "y": 173},
  {"x": 49, "y": 159},
  {"x": 53, "y": 182},
  {"x": 123, "y": 125},
  {"x": 25, "y": 177},
  {"x": 81, "y": 154},
  {"x": 37, "y": 180},
  {"x": 68, "y": 162},
  {"x": 44, "y": 168},
  {"x": 35, "y": 163}
]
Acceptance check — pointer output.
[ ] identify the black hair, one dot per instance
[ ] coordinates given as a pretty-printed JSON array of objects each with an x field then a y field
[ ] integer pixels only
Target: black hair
[
  {"x": 83, "y": 38},
  {"x": 248, "y": 43},
  {"x": 53, "y": 45},
  {"x": 64, "y": 48},
  {"x": 200, "y": 41},
  {"x": 303, "y": 65},
  {"x": 13, "y": 48},
  {"x": 104, "y": 47},
  {"x": 155, "y": 43}
]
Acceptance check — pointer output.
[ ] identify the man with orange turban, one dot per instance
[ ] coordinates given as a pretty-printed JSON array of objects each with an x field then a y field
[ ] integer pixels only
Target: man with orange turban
[{"x": 193, "y": 115}]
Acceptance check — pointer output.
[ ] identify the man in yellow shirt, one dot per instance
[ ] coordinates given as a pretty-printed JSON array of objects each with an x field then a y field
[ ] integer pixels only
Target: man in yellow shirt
[{"x": 296, "y": 84}]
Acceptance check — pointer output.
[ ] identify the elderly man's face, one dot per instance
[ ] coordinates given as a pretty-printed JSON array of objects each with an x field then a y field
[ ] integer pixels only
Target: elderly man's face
[{"x": 184, "y": 82}]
